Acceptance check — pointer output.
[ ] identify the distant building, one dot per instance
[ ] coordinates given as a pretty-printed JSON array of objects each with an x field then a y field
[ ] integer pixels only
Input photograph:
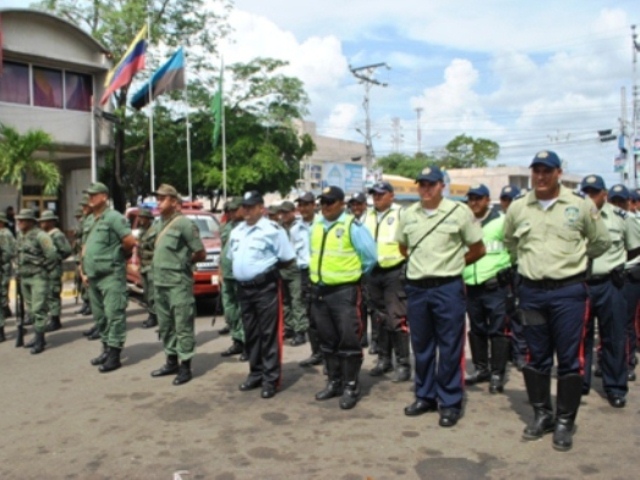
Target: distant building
[
  {"x": 50, "y": 71},
  {"x": 497, "y": 177}
]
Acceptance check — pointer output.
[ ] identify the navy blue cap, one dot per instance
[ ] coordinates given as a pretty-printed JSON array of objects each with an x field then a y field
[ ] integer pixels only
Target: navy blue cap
[
  {"x": 430, "y": 174},
  {"x": 509, "y": 191},
  {"x": 480, "y": 189},
  {"x": 381, "y": 187},
  {"x": 595, "y": 182},
  {"x": 359, "y": 197},
  {"x": 635, "y": 196},
  {"x": 619, "y": 191},
  {"x": 547, "y": 158},
  {"x": 332, "y": 193},
  {"x": 252, "y": 198}
]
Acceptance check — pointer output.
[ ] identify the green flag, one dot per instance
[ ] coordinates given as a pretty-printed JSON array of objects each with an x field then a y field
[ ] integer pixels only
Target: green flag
[{"x": 216, "y": 111}]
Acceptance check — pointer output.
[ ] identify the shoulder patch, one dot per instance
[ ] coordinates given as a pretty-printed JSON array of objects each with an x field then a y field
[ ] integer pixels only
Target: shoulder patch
[{"x": 621, "y": 213}]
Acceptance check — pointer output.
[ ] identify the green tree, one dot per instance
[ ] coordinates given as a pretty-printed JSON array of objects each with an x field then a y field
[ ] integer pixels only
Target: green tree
[
  {"x": 405, "y": 165},
  {"x": 468, "y": 152},
  {"x": 17, "y": 159},
  {"x": 115, "y": 23}
]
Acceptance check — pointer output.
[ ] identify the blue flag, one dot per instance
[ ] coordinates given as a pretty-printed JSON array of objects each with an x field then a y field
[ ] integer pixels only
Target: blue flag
[{"x": 168, "y": 77}]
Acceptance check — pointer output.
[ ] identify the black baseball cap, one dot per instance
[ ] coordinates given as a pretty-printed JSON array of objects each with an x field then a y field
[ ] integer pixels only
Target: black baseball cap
[
  {"x": 252, "y": 198},
  {"x": 332, "y": 193}
]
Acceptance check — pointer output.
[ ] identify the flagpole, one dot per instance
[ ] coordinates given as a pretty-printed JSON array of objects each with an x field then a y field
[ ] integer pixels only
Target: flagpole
[
  {"x": 186, "y": 100},
  {"x": 224, "y": 139},
  {"x": 94, "y": 163},
  {"x": 152, "y": 160}
]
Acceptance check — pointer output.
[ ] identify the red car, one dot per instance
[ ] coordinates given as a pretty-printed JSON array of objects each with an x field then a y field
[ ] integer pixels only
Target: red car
[{"x": 205, "y": 275}]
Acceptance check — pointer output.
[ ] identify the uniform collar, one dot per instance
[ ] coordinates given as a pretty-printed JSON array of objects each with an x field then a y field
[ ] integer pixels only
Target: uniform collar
[{"x": 563, "y": 196}]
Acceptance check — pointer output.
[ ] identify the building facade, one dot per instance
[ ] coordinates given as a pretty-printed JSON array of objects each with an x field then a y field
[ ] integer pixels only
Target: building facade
[{"x": 51, "y": 69}]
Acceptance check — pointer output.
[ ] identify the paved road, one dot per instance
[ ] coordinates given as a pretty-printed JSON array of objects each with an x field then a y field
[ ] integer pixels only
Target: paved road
[{"x": 62, "y": 419}]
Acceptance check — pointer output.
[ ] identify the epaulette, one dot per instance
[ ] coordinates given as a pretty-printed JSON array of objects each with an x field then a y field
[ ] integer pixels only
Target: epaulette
[
  {"x": 621, "y": 213},
  {"x": 578, "y": 194}
]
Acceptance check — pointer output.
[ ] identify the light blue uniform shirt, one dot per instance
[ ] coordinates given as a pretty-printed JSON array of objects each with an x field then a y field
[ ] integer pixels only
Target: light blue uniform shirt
[
  {"x": 257, "y": 248},
  {"x": 300, "y": 235},
  {"x": 362, "y": 241}
]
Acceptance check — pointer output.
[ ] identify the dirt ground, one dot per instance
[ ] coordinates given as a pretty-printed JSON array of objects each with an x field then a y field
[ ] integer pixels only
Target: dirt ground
[{"x": 62, "y": 419}]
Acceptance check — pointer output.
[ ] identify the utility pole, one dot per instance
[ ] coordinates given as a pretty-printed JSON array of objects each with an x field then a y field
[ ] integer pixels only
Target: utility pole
[
  {"x": 419, "y": 114},
  {"x": 634, "y": 121},
  {"x": 396, "y": 136},
  {"x": 365, "y": 76},
  {"x": 623, "y": 147}
]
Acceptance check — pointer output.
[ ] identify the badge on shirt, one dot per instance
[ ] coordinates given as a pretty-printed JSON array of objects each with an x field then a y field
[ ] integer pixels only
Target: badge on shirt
[
  {"x": 571, "y": 214},
  {"x": 390, "y": 220},
  {"x": 339, "y": 232}
]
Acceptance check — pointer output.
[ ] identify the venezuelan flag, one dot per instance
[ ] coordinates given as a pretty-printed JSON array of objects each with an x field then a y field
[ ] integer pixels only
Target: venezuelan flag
[{"x": 132, "y": 61}]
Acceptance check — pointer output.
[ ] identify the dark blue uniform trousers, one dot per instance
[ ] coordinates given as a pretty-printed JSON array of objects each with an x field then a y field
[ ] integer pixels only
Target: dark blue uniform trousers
[
  {"x": 487, "y": 311},
  {"x": 437, "y": 323},
  {"x": 632, "y": 294},
  {"x": 609, "y": 305},
  {"x": 565, "y": 309}
]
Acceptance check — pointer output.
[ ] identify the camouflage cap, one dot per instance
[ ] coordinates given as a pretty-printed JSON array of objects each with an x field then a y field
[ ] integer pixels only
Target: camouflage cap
[
  {"x": 287, "y": 206},
  {"x": 85, "y": 200},
  {"x": 97, "y": 187},
  {"x": 47, "y": 215},
  {"x": 78, "y": 212},
  {"x": 273, "y": 209},
  {"x": 233, "y": 204},
  {"x": 27, "y": 214},
  {"x": 145, "y": 213},
  {"x": 3, "y": 218},
  {"x": 166, "y": 190}
]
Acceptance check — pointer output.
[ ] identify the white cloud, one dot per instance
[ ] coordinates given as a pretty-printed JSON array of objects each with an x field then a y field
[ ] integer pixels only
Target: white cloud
[{"x": 340, "y": 121}]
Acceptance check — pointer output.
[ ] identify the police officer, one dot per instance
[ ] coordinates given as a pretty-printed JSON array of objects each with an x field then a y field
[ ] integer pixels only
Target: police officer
[
  {"x": 85, "y": 226},
  {"x": 307, "y": 208},
  {"x": 295, "y": 312},
  {"x": 385, "y": 289},
  {"x": 229, "y": 289},
  {"x": 7, "y": 251},
  {"x": 608, "y": 303},
  {"x": 439, "y": 237},
  {"x": 487, "y": 295},
  {"x": 146, "y": 244},
  {"x": 48, "y": 221},
  {"x": 341, "y": 251},
  {"x": 37, "y": 257},
  {"x": 273, "y": 213},
  {"x": 258, "y": 247},
  {"x": 620, "y": 197},
  {"x": 357, "y": 204},
  {"x": 108, "y": 242},
  {"x": 177, "y": 248},
  {"x": 507, "y": 195},
  {"x": 551, "y": 233}
]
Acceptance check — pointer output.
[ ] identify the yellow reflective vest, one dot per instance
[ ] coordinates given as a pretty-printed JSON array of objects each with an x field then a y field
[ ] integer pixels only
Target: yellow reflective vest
[
  {"x": 384, "y": 234},
  {"x": 334, "y": 261}
]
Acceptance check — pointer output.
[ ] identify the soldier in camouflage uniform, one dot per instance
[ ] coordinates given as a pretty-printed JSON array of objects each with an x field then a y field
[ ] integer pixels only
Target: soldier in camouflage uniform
[
  {"x": 81, "y": 236},
  {"x": 48, "y": 221},
  {"x": 146, "y": 241},
  {"x": 36, "y": 259},
  {"x": 7, "y": 250}
]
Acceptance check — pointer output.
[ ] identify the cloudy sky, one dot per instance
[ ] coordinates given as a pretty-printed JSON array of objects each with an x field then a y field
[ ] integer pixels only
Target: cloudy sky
[{"x": 529, "y": 75}]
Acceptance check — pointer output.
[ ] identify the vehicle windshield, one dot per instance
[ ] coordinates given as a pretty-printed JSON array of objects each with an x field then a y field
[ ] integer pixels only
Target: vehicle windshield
[{"x": 208, "y": 226}]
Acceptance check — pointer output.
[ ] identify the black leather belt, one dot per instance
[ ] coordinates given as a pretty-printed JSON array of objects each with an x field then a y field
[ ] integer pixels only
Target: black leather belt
[
  {"x": 552, "y": 284},
  {"x": 491, "y": 284},
  {"x": 379, "y": 269},
  {"x": 599, "y": 279},
  {"x": 269, "y": 276},
  {"x": 432, "y": 282}
]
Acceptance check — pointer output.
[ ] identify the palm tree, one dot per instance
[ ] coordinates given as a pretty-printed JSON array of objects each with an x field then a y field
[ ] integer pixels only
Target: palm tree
[{"x": 17, "y": 160}]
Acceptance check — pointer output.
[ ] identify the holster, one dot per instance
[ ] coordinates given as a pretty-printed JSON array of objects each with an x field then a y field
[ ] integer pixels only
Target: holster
[{"x": 617, "y": 277}]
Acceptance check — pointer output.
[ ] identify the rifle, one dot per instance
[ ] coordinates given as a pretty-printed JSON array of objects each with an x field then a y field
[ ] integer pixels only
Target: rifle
[{"x": 19, "y": 315}]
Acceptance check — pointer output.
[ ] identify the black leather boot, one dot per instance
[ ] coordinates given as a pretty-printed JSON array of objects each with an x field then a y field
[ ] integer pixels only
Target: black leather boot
[
  {"x": 33, "y": 341},
  {"x": 38, "y": 346},
  {"x": 151, "y": 321},
  {"x": 334, "y": 383},
  {"x": 184, "y": 373},
  {"x": 169, "y": 368},
  {"x": 539, "y": 391},
  {"x": 88, "y": 333},
  {"x": 350, "y": 373},
  {"x": 316, "y": 354},
  {"x": 403, "y": 366},
  {"x": 53, "y": 325},
  {"x": 567, "y": 404},
  {"x": 383, "y": 365},
  {"x": 95, "y": 335},
  {"x": 86, "y": 309},
  {"x": 113, "y": 361},
  {"x": 236, "y": 348},
  {"x": 480, "y": 356},
  {"x": 2, "y": 337},
  {"x": 100, "y": 359},
  {"x": 500, "y": 347}
]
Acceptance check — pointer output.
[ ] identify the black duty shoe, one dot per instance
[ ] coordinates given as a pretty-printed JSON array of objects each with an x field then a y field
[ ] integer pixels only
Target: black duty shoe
[
  {"x": 448, "y": 417},
  {"x": 543, "y": 422},
  {"x": 88, "y": 333},
  {"x": 616, "y": 401},
  {"x": 236, "y": 348},
  {"x": 631, "y": 376},
  {"x": 563, "y": 435},
  {"x": 184, "y": 373},
  {"x": 313, "y": 360},
  {"x": 95, "y": 335},
  {"x": 249, "y": 384},
  {"x": 268, "y": 391},
  {"x": 150, "y": 322},
  {"x": 100, "y": 359},
  {"x": 403, "y": 374},
  {"x": 169, "y": 368},
  {"x": 478, "y": 376},
  {"x": 224, "y": 330},
  {"x": 350, "y": 396},
  {"x": 382, "y": 366},
  {"x": 53, "y": 325},
  {"x": 419, "y": 407},
  {"x": 243, "y": 357},
  {"x": 333, "y": 389},
  {"x": 113, "y": 361},
  {"x": 298, "y": 339},
  {"x": 496, "y": 383}
]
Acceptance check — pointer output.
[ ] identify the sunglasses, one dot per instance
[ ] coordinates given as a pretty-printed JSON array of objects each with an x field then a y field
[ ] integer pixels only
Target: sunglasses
[{"x": 328, "y": 201}]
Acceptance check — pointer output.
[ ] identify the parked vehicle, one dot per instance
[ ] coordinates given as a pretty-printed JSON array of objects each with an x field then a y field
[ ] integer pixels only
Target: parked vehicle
[{"x": 206, "y": 274}]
